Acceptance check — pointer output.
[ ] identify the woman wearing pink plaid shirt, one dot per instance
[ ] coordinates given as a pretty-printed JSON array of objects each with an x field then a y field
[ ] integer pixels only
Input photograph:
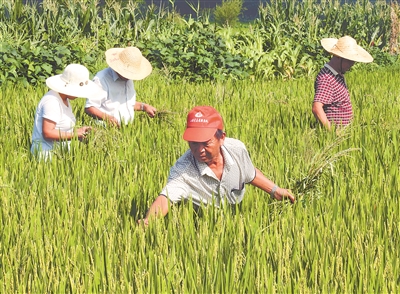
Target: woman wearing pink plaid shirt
[{"x": 332, "y": 99}]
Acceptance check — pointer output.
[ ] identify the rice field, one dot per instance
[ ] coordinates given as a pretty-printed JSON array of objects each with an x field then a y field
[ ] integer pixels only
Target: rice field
[{"x": 69, "y": 225}]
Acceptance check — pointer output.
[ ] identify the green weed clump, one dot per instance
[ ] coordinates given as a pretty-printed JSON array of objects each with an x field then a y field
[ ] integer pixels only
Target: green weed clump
[{"x": 69, "y": 225}]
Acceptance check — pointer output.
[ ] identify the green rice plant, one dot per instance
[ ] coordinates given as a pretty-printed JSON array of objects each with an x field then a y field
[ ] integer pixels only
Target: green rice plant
[{"x": 67, "y": 224}]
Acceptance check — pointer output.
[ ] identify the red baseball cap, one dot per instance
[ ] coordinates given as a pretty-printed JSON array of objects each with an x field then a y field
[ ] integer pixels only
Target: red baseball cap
[{"x": 202, "y": 123}]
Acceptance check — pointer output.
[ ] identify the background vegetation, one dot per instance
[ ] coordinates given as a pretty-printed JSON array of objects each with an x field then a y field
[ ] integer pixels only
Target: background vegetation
[
  {"x": 283, "y": 42},
  {"x": 70, "y": 225}
]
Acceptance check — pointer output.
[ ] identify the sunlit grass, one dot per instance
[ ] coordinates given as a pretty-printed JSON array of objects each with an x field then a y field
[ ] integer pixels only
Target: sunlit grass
[{"x": 67, "y": 224}]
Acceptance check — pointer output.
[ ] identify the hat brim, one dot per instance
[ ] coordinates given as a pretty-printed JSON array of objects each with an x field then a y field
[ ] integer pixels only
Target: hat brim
[
  {"x": 130, "y": 73},
  {"x": 89, "y": 90},
  {"x": 199, "y": 134},
  {"x": 361, "y": 55}
]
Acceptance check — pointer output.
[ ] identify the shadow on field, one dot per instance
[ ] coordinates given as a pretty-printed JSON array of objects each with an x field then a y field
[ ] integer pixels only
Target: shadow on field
[
  {"x": 135, "y": 211},
  {"x": 138, "y": 212}
]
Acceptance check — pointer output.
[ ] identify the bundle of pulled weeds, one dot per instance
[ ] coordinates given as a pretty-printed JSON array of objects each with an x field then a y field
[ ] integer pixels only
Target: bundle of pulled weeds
[{"x": 322, "y": 162}]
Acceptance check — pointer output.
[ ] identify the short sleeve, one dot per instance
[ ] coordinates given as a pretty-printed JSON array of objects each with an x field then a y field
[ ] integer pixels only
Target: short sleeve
[
  {"x": 249, "y": 168},
  {"x": 52, "y": 110},
  {"x": 176, "y": 189},
  {"x": 323, "y": 90},
  {"x": 97, "y": 101},
  {"x": 241, "y": 157}
]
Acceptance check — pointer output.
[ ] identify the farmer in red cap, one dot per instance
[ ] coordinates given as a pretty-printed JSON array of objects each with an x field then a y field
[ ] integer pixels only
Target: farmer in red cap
[{"x": 214, "y": 170}]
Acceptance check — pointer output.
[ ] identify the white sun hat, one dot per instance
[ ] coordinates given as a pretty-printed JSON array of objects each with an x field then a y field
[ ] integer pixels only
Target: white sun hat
[
  {"x": 346, "y": 47},
  {"x": 128, "y": 62},
  {"x": 74, "y": 81}
]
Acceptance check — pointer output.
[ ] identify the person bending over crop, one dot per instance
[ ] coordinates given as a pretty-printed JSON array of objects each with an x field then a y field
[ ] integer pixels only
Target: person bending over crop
[
  {"x": 118, "y": 103},
  {"x": 54, "y": 121},
  {"x": 215, "y": 169},
  {"x": 332, "y": 100}
]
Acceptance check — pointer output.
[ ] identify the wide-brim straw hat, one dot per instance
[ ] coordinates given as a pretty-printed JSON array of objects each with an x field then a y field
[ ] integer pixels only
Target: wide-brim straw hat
[
  {"x": 74, "y": 81},
  {"x": 346, "y": 47},
  {"x": 128, "y": 62}
]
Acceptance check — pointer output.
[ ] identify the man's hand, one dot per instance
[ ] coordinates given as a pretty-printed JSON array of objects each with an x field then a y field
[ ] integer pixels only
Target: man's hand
[
  {"x": 281, "y": 193},
  {"x": 150, "y": 110},
  {"x": 260, "y": 181},
  {"x": 143, "y": 221},
  {"x": 97, "y": 113},
  {"x": 159, "y": 208},
  {"x": 83, "y": 131},
  {"x": 112, "y": 121}
]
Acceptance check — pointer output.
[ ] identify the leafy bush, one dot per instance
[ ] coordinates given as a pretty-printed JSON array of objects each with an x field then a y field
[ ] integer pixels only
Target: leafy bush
[
  {"x": 194, "y": 53},
  {"x": 383, "y": 58},
  {"x": 32, "y": 63}
]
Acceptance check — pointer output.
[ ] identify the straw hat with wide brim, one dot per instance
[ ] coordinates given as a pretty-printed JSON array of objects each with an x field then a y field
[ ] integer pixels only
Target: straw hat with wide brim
[
  {"x": 74, "y": 81},
  {"x": 128, "y": 62},
  {"x": 346, "y": 47}
]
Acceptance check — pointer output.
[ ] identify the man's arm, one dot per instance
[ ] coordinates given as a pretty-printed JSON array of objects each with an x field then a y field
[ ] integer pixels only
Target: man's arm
[
  {"x": 97, "y": 113},
  {"x": 158, "y": 208},
  {"x": 260, "y": 181},
  {"x": 320, "y": 114}
]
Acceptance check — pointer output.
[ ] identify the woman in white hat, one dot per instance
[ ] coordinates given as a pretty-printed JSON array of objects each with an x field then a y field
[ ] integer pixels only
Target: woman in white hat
[
  {"x": 118, "y": 104},
  {"x": 332, "y": 99},
  {"x": 54, "y": 121}
]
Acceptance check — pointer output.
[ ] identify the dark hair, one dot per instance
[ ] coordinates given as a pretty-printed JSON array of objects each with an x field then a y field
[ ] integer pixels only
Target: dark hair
[{"x": 219, "y": 134}]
